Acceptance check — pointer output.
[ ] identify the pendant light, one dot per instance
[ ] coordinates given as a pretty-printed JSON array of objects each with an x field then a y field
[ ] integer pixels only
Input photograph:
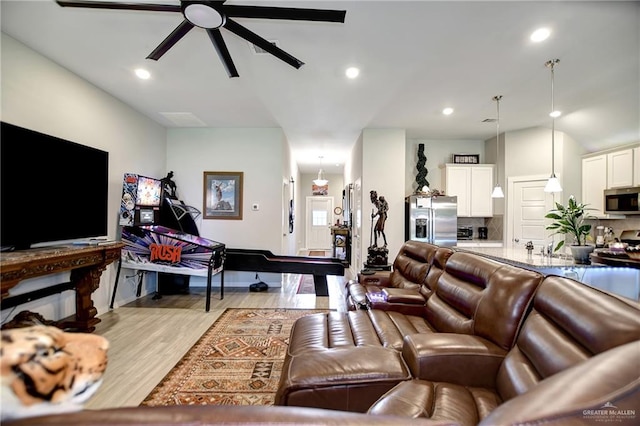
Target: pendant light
[
  {"x": 321, "y": 181},
  {"x": 497, "y": 191},
  {"x": 553, "y": 184}
]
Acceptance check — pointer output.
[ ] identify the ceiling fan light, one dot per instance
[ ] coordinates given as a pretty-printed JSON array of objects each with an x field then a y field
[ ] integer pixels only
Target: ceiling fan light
[
  {"x": 553, "y": 184},
  {"x": 203, "y": 16},
  {"x": 497, "y": 192}
]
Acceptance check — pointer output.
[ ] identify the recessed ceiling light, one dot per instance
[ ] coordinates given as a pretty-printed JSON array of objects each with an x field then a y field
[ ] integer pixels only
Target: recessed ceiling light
[
  {"x": 447, "y": 111},
  {"x": 352, "y": 72},
  {"x": 555, "y": 114},
  {"x": 143, "y": 74},
  {"x": 540, "y": 34}
]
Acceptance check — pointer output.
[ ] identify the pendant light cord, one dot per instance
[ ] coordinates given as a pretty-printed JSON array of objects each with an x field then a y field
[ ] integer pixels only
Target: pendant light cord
[
  {"x": 497, "y": 99},
  {"x": 551, "y": 64}
]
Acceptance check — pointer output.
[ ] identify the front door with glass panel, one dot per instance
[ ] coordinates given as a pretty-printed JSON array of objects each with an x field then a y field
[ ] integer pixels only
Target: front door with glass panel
[{"x": 319, "y": 214}]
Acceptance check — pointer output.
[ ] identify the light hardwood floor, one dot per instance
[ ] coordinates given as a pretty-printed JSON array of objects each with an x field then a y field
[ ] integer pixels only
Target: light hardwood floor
[{"x": 148, "y": 337}]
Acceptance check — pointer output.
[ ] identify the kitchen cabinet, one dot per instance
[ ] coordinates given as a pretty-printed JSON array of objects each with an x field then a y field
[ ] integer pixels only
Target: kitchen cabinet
[
  {"x": 620, "y": 168},
  {"x": 472, "y": 184},
  {"x": 594, "y": 182},
  {"x": 617, "y": 169},
  {"x": 636, "y": 166}
]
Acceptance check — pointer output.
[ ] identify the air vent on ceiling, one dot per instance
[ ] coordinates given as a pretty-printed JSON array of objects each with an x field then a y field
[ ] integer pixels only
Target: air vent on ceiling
[
  {"x": 183, "y": 119},
  {"x": 489, "y": 120},
  {"x": 260, "y": 51}
]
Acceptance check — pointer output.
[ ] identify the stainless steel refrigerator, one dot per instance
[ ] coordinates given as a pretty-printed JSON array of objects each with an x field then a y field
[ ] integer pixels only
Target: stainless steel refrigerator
[{"x": 432, "y": 219}]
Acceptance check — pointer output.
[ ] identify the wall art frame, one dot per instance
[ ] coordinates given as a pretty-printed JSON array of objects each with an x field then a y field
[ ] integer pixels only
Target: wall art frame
[{"x": 222, "y": 195}]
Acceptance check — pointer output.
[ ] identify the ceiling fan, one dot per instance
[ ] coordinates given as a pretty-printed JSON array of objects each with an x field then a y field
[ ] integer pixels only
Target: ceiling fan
[{"x": 214, "y": 15}]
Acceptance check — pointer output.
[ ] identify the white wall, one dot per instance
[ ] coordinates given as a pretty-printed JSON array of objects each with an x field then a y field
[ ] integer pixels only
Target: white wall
[
  {"x": 528, "y": 153},
  {"x": 383, "y": 170},
  {"x": 258, "y": 153},
  {"x": 255, "y": 152},
  {"x": 40, "y": 95},
  {"x": 353, "y": 174},
  {"x": 438, "y": 153}
]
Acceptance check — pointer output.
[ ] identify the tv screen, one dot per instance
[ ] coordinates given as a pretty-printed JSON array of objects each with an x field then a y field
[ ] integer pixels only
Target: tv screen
[{"x": 51, "y": 189}]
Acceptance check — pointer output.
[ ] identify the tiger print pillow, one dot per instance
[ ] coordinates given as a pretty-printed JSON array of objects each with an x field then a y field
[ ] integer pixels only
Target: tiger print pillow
[{"x": 46, "y": 370}]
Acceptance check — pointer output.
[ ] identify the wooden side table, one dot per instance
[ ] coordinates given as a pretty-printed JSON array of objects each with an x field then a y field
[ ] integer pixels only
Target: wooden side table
[{"x": 86, "y": 264}]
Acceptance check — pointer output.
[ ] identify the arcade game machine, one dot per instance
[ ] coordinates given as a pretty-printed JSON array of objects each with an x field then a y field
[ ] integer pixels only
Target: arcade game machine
[{"x": 149, "y": 211}]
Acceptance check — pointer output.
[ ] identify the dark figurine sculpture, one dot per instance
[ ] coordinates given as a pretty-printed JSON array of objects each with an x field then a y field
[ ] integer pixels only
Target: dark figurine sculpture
[
  {"x": 378, "y": 255},
  {"x": 421, "y": 177},
  {"x": 169, "y": 186},
  {"x": 383, "y": 207}
]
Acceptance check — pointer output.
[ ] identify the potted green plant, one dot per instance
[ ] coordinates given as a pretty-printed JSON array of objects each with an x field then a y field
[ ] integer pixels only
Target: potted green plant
[{"x": 569, "y": 221}]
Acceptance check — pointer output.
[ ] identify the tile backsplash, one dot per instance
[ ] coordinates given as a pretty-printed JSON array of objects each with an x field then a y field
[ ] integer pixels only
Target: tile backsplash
[
  {"x": 618, "y": 225},
  {"x": 495, "y": 225}
]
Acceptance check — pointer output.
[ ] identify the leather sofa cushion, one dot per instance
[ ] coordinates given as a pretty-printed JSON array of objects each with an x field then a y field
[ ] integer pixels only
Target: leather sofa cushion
[
  {"x": 340, "y": 379},
  {"x": 573, "y": 396},
  {"x": 402, "y": 295},
  {"x": 204, "y": 415},
  {"x": 479, "y": 296},
  {"x": 319, "y": 332},
  {"x": 457, "y": 404},
  {"x": 462, "y": 359},
  {"x": 610, "y": 378},
  {"x": 570, "y": 322}
]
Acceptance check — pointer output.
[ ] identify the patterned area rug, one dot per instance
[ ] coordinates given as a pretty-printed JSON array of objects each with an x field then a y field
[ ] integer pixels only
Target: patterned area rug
[
  {"x": 319, "y": 253},
  {"x": 306, "y": 285},
  {"x": 237, "y": 361}
]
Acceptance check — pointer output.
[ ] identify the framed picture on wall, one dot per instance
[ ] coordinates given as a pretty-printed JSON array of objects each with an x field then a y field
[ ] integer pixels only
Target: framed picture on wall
[
  {"x": 222, "y": 195},
  {"x": 320, "y": 189}
]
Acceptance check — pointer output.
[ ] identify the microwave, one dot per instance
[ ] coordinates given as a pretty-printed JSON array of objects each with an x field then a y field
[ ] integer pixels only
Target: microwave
[{"x": 622, "y": 200}]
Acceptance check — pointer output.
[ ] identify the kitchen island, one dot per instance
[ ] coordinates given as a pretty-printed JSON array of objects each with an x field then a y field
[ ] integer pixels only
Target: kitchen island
[{"x": 621, "y": 280}]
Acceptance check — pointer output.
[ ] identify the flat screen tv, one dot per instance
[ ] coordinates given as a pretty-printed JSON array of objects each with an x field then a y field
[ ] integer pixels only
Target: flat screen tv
[{"x": 51, "y": 189}]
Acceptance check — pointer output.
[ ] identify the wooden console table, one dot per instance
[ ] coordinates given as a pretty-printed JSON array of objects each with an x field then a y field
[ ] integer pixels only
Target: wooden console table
[{"x": 86, "y": 264}]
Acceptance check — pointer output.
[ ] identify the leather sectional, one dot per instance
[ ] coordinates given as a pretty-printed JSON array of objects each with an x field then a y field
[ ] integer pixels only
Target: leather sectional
[
  {"x": 460, "y": 338},
  {"x": 447, "y": 338}
]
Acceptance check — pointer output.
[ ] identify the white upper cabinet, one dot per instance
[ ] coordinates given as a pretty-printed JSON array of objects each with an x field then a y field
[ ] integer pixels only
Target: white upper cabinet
[
  {"x": 472, "y": 184},
  {"x": 636, "y": 166},
  {"x": 594, "y": 182},
  {"x": 620, "y": 169},
  {"x": 608, "y": 170}
]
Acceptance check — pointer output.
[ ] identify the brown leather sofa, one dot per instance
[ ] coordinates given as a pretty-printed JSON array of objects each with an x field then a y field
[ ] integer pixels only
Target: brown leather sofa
[
  {"x": 203, "y": 415},
  {"x": 495, "y": 344},
  {"x": 347, "y": 360},
  {"x": 407, "y": 288}
]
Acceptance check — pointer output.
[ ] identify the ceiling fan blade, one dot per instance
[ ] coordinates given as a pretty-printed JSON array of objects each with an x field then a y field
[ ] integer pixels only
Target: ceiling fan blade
[
  {"x": 223, "y": 52},
  {"x": 171, "y": 39},
  {"x": 289, "y": 13},
  {"x": 127, "y": 6},
  {"x": 254, "y": 38}
]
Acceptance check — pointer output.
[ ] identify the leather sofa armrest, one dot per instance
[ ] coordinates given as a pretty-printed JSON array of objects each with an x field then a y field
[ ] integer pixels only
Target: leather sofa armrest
[
  {"x": 403, "y": 295},
  {"x": 454, "y": 358},
  {"x": 379, "y": 278},
  {"x": 357, "y": 295}
]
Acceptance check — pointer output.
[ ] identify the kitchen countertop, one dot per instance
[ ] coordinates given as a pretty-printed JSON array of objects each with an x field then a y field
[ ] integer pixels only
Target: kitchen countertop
[
  {"x": 479, "y": 243},
  {"x": 520, "y": 257}
]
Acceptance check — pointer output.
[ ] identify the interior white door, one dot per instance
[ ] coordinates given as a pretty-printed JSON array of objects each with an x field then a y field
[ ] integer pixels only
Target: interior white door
[
  {"x": 319, "y": 214},
  {"x": 529, "y": 205}
]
